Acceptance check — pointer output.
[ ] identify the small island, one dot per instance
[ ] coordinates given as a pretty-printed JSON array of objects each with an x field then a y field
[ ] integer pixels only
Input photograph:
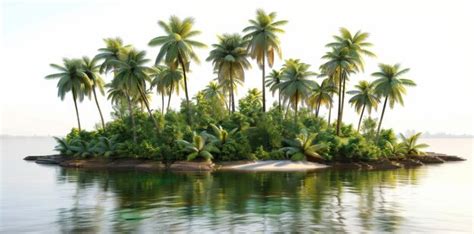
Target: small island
[{"x": 214, "y": 131}]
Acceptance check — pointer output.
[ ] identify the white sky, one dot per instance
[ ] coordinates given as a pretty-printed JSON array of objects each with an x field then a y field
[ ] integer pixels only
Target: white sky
[{"x": 433, "y": 38}]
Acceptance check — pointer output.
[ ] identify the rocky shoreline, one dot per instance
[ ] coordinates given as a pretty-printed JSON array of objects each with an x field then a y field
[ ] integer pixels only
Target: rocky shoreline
[{"x": 143, "y": 164}]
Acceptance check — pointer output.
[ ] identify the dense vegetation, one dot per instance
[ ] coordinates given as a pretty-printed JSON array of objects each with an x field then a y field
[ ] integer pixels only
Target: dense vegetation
[{"x": 212, "y": 125}]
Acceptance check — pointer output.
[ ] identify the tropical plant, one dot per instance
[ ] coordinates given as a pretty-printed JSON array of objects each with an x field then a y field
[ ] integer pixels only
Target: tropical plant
[
  {"x": 72, "y": 78},
  {"x": 106, "y": 146},
  {"x": 395, "y": 149},
  {"x": 363, "y": 97},
  {"x": 411, "y": 146},
  {"x": 199, "y": 147},
  {"x": 157, "y": 82},
  {"x": 132, "y": 76},
  {"x": 177, "y": 46},
  {"x": 92, "y": 71},
  {"x": 264, "y": 42},
  {"x": 64, "y": 146},
  {"x": 172, "y": 81},
  {"x": 213, "y": 92},
  {"x": 345, "y": 58},
  {"x": 272, "y": 82},
  {"x": 221, "y": 136},
  {"x": 320, "y": 95},
  {"x": 229, "y": 58},
  {"x": 391, "y": 86},
  {"x": 295, "y": 84},
  {"x": 114, "y": 50},
  {"x": 302, "y": 147},
  {"x": 82, "y": 148}
]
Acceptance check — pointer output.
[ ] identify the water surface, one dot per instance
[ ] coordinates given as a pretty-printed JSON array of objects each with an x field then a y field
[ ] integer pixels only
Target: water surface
[{"x": 48, "y": 199}]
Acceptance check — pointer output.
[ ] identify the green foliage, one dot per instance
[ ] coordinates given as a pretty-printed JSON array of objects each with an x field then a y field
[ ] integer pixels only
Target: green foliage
[
  {"x": 410, "y": 145},
  {"x": 303, "y": 147}
]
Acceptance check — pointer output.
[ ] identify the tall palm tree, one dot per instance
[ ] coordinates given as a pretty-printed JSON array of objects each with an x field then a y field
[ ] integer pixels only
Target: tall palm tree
[
  {"x": 177, "y": 46},
  {"x": 351, "y": 49},
  {"x": 72, "y": 78},
  {"x": 115, "y": 50},
  {"x": 391, "y": 86},
  {"x": 264, "y": 41},
  {"x": 229, "y": 57},
  {"x": 214, "y": 92},
  {"x": 157, "y": 82},
  {"x": 363, "y": 97},
  {"x": 132, "y": 75},
  {"x": 338, "y": 67},
  {"x": 172, "y": 79},
  {"x": 320, "y": 95},
  {"x": 295, "y": 84},
  {"x": 92, "y": 70},
  {"x": 272, "y": 81}
]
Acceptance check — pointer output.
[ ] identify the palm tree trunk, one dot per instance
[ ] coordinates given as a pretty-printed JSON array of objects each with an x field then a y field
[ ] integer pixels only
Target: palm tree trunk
[
  {"x": 343, "y": 99},
  {"x": 77, "y": 110},
  {"x": 263, "y": 82},
  {"x": 145, "y": 101},
  {"x": 185, "y": 85},
  {"x": 339, "y": 106},
  {"x": 360, "y": 119},
  {"x": 232, "y": 89},
  {"x": 318, "y": 107},
  {"x": 287, "y": 109},
  {"x": 230, "y": 101},
  {"x": 132, "y": 118},
  {"x": 381, "y": 117},
  {"x": 329, "y": 116},
  {"x": 98, "y": 107},
  {"x": 162, "y": 103},
  {"x": 279, "y": 101},
  {"x": 169, "y": 98},
  {"x": 296, "y": 108}
]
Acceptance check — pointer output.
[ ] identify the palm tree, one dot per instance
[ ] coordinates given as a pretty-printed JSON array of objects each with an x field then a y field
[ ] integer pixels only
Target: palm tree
[
  {"x": 338, "y": 67},
  {"x": 72, "y": 78},
  {"x": 320, "y": 95},
  {"x": 302, "y": 147},
  {"x": 177, "y": 46},
  {"x": 295, "y": 84},
  {"x": 264, "y": 41},
  {"x": 172, "y": 81},
  {"x": 92, "y": 70},
  {"x": 410, "y": 145},
  {"x": 199, "y": 147},
  {"x": 157, "y": 81},
  {"x": 272, "y": 82},
  {"x": 114, "y": 50},
  {"x": 132, "y": 75},
  {"x": 391, "y": 86},
  {"x": 363, "y": 97},
  {"x": 229, "y": 58},
  {"x": 346, "y": 58},
  {"x": 213, "y": 91}
]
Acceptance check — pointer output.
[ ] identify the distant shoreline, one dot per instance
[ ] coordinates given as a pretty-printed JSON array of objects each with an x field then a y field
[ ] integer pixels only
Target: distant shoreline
[{"x": 423, "y": 137}]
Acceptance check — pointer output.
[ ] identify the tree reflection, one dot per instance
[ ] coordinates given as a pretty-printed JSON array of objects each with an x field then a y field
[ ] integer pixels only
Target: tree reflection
[{"x": 329, "y": 201}]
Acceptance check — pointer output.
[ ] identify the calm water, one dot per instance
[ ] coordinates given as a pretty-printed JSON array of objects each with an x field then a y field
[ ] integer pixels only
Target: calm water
[{"x": 48, "y": 199}]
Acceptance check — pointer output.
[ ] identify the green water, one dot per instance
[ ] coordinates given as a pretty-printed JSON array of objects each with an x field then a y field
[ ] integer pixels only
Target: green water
[{"x": 50, "y": 199}]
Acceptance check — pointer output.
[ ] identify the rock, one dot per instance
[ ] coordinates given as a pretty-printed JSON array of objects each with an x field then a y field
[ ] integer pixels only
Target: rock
[
  {"x": 427, "y": 159},
  {"x": 192, "y": 166},
  {"x": 36, "y": 157},
  {"x": 450, "y": 158},
  {"x": 46, "y": 161}
]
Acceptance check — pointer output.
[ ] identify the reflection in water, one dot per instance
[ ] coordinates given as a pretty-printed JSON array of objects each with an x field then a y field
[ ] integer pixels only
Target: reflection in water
[{"x": 329, "y": 201}]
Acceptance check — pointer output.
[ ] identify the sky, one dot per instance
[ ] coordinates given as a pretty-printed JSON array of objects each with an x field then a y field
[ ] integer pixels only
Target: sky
[{"x": 435, "y": 39}]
